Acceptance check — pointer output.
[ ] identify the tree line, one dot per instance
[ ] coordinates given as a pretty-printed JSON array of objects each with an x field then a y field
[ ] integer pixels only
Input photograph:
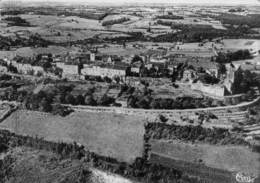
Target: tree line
[
  {"x": 32, "y": 41},
  {"x": 17, "y": 21},
  {"x": 250, "y": 20},
  {"x": 198, "y": 33},
  {"x": 172, "y": 17},
  {"x": 191, "y": 133},
  {"x": 147, "y": 101},
  {"x": 115, "y": 21},
  {"x": 233, "y": 56}
]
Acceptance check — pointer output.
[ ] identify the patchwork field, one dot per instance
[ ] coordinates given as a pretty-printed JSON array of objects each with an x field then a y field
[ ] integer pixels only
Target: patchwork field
[
  {"x": 61, "y": 29},
  {"x": 111, "y": 135}
]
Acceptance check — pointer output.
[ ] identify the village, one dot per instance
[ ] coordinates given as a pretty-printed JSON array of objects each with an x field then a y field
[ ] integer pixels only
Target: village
[
  {"x": 142, "y": 94},
  {"x": 209, "y": 74}
]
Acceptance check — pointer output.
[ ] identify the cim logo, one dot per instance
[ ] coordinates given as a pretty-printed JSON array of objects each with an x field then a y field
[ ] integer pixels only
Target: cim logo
[{"x": 243, "y": 178}]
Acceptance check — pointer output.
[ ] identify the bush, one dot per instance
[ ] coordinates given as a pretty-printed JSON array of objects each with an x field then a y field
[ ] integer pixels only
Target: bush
[
  {"x": 69, "y": 99},
  {"x": 45, "y": 105},
  {"x": 105, "y": 100},
  {"x": 80, "y": 100},
  {"x": 61, "y": 110},
  {"x": 89, "y": 100}
]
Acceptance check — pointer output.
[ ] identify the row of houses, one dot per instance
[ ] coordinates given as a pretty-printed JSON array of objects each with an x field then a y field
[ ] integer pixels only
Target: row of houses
[
  {"x": 80, "y": 71},
  {"x": 24, "y": 68}
]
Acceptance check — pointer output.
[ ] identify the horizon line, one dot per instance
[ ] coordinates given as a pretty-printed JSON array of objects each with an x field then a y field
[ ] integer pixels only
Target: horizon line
[{"x": 80, "y": 2}]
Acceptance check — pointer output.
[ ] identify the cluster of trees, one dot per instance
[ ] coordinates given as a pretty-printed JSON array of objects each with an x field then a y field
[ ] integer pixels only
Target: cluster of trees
[
  {"x": 204, "y": 77},
  {"x": 133, "y": 36},
  {"x": 140, "y": 170},
  {"x": 87, "y": 15},
  {"x": 233, "y": 56},
  {"x": 37, "y": 41},
  {"x": 244, "y": 81},
  {"x": 165, "y": 23},
  {"x": 32, "y": 41},
  {"x": 106, "y": 79},
  {"x": 154, "y": 72},
  {"x": 213, "y": 136},
  {"x": 251, "y": 20},
  {"x": 126, "y": 89},
  {"x": 5, "y": 77},
  {"x": 208, "y": 79},
  {"x": 161, "y": 71},
  {"x": 239, "y": 9},
  {"x": 41, "y": 101},
  {"x": 17, "y": 21},
  {"x": 10, "y": 68},
  {"x": 115, "y": 21},
  {"x": 199, "y": 33},
  {"x": 172, "y": 17},
  {"x": 145, "y": 100},
  {"x": 11, "y": 12},
  {"x": 66, "y": 97},
  {"x": 51, "y": 101}
]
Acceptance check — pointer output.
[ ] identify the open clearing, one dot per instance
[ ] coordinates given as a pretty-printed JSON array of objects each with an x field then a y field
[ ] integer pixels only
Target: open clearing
[{"x": 111, "y": 135}]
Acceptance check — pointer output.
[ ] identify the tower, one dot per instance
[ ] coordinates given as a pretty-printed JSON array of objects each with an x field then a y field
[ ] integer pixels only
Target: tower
[{"x": 92, "y": 57}]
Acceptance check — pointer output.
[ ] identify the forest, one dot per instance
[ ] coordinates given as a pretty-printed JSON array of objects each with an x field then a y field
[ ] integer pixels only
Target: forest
[{"x": 17, "y": 21}]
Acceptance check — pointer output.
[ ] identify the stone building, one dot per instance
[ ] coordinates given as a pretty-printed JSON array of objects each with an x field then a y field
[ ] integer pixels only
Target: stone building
[
  {"x": 230, "y": 78},
  {"x": 189, "y": 75},
  {"x": 69, "y": 71},
  {"x": 104, "y": 71},
  {"x": 27, "y": 68}
]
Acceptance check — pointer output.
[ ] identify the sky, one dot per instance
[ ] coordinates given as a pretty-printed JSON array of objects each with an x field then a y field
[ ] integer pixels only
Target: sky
[{"x": 232, "y": 2}]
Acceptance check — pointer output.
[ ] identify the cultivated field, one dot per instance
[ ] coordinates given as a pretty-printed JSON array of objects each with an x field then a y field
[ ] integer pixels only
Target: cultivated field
[
  {"x": 60, "y": 29},
  {"x": 230, "y": 158},
  {"x": 113, "y": 135}
]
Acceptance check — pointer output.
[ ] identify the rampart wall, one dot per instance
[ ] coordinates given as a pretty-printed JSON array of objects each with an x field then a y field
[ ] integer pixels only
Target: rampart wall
[{"x": 226, "y": 113}]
